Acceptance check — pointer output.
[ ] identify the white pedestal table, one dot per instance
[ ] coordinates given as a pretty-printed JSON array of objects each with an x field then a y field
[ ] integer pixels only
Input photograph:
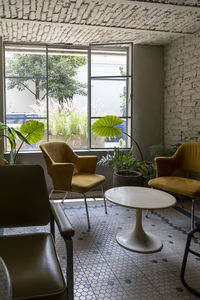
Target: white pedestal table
[{"x": 140, "y": 198}]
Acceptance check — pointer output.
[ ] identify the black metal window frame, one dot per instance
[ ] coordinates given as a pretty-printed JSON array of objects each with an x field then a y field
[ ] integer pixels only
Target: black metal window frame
[
  {"x": 129, "y": 72},
  {"x": 88, "y": 50}
]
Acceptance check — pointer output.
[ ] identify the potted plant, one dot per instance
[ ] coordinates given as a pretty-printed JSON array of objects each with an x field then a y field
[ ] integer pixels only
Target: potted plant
[
  {"x": 106, "y": 126},
  {"x": 148, "y": 171},
  {"x": 125, "y": 167},
  {"x": 30, "y": 132}
]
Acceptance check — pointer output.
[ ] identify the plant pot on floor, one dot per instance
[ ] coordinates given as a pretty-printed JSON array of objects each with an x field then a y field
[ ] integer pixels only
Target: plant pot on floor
[{"x": 127, "y": 178}]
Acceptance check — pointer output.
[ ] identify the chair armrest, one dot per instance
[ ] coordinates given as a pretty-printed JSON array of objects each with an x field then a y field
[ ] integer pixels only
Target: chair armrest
[
  {"x": 61, "y": 175},
  {"x": 86, "y": 164},
  {"x": 165, "y": 166},
  {"x": 62, "y": 221}
]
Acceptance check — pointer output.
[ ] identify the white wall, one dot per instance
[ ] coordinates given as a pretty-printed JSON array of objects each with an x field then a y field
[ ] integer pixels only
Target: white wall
[{"x": 182, "y": 90}]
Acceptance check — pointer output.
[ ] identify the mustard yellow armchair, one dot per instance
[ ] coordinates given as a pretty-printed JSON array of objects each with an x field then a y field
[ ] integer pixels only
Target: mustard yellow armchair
[
  {"x": 70, "y": 172},
  {"x": 186, "y": 159}
]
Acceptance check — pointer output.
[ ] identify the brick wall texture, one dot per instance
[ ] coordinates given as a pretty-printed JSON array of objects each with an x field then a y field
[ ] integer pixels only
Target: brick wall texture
[{"x": 182, "y": 90}]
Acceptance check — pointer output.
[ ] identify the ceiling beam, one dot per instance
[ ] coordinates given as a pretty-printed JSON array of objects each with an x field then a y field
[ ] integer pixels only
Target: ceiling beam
[
  {"x": 167, "y": 6},
  {"x": 114, "y": 28}
]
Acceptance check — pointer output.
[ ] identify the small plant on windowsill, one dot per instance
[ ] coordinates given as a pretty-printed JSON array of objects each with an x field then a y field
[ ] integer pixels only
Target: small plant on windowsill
[{"x": 30, "y": 132}]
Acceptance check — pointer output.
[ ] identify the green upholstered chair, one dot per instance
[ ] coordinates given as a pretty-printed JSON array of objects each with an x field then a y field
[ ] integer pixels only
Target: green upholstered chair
[
  {"x": 71, "y": 172},
  {"x": 186, "y": 159},
  {"x": 31, "y": 258}
]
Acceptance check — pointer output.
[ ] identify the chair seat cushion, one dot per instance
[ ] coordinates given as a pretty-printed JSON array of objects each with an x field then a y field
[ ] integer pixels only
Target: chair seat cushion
[
  {"x": 180, "y": 185},
  {"x": 84, "y": 182},
  {"x": 33, "y": 266}
]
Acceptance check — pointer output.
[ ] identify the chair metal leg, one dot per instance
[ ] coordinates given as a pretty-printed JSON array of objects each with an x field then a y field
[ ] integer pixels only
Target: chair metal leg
[
  {"x": 86, "y": 207},
  {"x": 192, "y": 217},
  {"x": 184, "y": 262},
  {"x": 65, "y": 195},
  {"x": 181, "y": 198},
  {"x": 52, "y": 226},
  {"x": 104, "y": 199},
  {"x": 69, "y": 269},
  {"x": 50, "y": 194}
]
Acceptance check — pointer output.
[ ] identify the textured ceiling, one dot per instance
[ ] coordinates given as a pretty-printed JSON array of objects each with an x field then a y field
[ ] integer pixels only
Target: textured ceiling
[{"x": 98, "y": 21}]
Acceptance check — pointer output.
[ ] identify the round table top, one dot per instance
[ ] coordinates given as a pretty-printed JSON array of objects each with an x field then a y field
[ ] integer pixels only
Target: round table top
[{"x": 140, "y": 197}]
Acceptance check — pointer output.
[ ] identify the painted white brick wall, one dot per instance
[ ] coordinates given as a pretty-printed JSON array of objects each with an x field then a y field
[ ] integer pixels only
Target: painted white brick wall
[{"x": 182, "y": 90}]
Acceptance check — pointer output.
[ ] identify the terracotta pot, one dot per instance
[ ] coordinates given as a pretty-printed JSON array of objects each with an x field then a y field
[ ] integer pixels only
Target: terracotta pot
[{"x": 127, "y": 178}]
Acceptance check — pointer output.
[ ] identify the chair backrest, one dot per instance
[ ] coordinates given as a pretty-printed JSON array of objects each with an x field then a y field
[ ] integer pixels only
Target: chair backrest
[
  {"x": 24, "y": 197},
  {"x": 188, "y": 155},
  {"x": 58, "y": 152}
]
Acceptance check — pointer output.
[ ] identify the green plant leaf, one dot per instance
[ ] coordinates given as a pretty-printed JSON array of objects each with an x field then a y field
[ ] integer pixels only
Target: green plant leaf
[
  {"x": 20, "y": 136},
  {"x": 11, "y": 137},
  {"x": 105, "y": 126},
  {"x": 33, "y": 130},
  {"x": 2, "y": 126}
]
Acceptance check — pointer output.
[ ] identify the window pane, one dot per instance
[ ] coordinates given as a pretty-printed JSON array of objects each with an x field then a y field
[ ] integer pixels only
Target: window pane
[
  {"x": 23, "y": 102},
  {"x": 108, "y": 97},
  {"x": 25, "y": 68},
  {"x": 25, "y": 61},
  {"x": 67, "y": 96},
  {"x": 108, "y": 62}
]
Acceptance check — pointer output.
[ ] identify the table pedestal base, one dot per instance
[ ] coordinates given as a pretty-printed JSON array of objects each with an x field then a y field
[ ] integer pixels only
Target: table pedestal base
[
  {"x": 137, "y": 239},
  {"x": 147, "y": 243}
]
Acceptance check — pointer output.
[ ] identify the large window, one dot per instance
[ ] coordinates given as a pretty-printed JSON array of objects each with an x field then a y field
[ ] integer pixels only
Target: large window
[{"x": 68, "y": 89}]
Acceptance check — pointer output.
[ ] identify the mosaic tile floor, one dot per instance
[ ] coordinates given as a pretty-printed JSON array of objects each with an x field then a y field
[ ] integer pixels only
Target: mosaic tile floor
[{"x": 104, "y": 270}]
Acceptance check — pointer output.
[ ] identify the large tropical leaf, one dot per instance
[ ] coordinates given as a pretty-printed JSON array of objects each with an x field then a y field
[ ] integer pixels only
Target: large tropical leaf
[
  {"x": 20, "y": 135},
  {"x": 105, "y": 126},
  {"x": 33, "y": 130}
]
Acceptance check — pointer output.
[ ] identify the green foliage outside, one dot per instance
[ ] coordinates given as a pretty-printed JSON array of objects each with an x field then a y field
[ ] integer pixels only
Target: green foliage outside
[
  {"x": 65, "y": 118},
  {"x": 30, "y": 132},
  {"x": 64, "y": 121},
  {"x": 123, "y": 95},
  {"x": 62, "y": 70}
]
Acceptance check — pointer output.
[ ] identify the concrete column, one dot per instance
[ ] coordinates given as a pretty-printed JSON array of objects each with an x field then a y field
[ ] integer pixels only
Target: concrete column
[{"x": 148, "y": 77}]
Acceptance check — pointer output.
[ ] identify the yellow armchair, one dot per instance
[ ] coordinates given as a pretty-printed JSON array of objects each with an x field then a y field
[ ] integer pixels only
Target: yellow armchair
[
  {"x": 186, "y": 159},
  {"x": 70, "y": 172}
]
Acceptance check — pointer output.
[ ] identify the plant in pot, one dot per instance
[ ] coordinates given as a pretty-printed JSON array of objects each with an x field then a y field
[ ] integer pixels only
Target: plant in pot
[
  {"x": 30, "y": 132},
  {"x": 124, "y": 163},
  {"x": 148, "y": 171},
  {"x": 125, "y": 167}
]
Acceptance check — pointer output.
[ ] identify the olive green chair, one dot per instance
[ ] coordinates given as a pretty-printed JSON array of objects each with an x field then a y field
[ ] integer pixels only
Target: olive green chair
[
  {"x": 185, "y": 160},
  {"x": 71, "y": 172},
  {"x": 31, "y": 257}
]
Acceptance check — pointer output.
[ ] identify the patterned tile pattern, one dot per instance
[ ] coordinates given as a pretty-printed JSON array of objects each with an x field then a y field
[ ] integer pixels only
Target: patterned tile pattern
[{"x": 104, "y": 270}]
